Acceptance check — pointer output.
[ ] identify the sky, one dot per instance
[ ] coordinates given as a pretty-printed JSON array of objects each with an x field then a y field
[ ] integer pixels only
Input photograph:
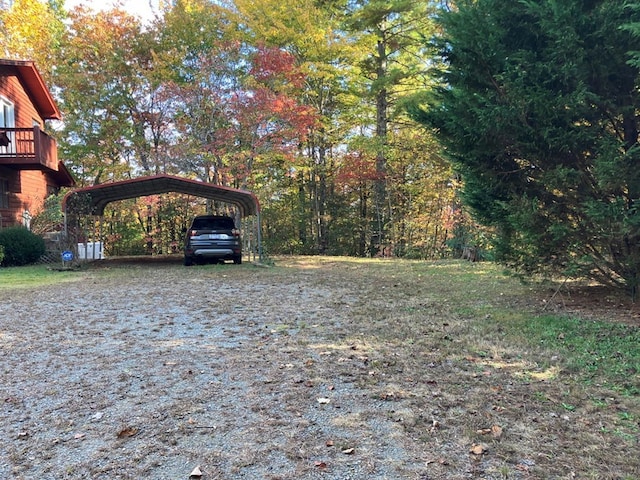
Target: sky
[{"x": 144, "y": 9}]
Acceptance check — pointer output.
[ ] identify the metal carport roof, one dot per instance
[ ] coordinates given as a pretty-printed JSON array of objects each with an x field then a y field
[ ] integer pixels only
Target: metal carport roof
[{"x": 94, "y": 199}]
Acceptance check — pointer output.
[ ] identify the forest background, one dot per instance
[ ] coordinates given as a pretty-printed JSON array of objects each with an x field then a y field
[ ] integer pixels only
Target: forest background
[
  {"x": 300, "y": 102},
  {"x": 365, "y": 127}
]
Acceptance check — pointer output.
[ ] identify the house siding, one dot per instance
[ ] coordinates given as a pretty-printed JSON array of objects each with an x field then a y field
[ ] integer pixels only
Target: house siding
[
  {"x": 28, "y": 187},
  {"x": 28, "y": 191},
  {"x": 25, "y": 111}
]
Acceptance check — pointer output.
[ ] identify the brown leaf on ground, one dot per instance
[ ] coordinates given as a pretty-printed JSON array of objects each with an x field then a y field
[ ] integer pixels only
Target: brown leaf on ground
[
  {"x": 440, "y": 461},
  {"x": 495, "y": 431},
  {"x": 478, "y": 448},
  {"x": 435, "y": 425},
  {"x": 127, "y": 432}
]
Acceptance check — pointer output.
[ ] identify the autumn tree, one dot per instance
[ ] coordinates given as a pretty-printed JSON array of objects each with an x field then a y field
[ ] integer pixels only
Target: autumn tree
[
  {"x": 391, "y": 64},
  {"x": 311, "y": 33},
  {"x": 32, "y": 30},
  {"x": 105, "y": 95},
  {"x": 361, "y": 60}
]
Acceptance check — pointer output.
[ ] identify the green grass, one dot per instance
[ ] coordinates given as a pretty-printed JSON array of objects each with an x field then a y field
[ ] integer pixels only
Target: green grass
[
  {"x": 33, "y": 276},
  {"x": 596, "y": 351},
  {"x": 601, "y": 352}
]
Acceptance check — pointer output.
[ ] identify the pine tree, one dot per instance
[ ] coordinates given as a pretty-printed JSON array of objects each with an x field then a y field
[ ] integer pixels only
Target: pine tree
[{"x": 538, "y": 111}]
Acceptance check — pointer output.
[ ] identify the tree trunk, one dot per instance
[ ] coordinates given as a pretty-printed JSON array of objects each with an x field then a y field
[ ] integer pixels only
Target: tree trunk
[{"x": 380, "y": 193}]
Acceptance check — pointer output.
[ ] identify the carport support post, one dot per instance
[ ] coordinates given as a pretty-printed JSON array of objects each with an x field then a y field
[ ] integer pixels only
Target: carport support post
[{"x": 259, "y": 236}]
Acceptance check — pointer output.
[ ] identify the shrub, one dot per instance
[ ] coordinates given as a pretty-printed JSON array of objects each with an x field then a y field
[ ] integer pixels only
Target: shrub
[
  {"x": 1, "y": 254},
  {"x": 50, "y": 219},
  {"x": 21, "y": 247}
]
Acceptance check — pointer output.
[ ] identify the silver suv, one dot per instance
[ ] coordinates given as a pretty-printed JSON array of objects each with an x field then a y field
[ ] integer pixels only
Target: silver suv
[{"x": 212, "y": 238}]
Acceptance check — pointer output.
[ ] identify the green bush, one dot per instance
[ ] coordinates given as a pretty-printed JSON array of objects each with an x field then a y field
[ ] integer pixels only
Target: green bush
[
  {"x": 21, "y": 247},
  {"x": 1, "y": 254}
]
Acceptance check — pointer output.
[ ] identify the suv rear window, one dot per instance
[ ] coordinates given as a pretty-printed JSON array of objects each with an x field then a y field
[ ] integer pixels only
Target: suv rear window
[{"x": 224, "y": 223}]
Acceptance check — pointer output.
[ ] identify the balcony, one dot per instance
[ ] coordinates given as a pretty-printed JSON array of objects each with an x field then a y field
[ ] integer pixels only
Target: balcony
[{"x": 28, "y": 149}]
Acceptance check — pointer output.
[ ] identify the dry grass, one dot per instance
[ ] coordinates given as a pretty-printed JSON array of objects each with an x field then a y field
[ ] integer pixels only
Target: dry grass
[{"x": 318, "y": 367}]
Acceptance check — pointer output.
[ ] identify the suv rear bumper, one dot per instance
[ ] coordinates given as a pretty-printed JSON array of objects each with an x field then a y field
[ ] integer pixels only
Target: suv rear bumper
[{"x": 213, "y": 252}]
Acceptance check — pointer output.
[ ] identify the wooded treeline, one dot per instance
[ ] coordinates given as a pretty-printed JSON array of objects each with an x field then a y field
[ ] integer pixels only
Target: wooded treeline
[
  {"x": 300, "y": 102},
  {"x": 365, "y": 127}
]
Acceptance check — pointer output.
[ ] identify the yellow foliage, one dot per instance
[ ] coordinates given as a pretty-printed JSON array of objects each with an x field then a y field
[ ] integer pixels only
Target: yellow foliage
[{"x": 30, "y": 30}]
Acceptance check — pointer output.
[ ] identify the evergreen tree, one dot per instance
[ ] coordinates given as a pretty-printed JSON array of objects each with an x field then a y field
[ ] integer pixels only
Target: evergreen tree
[{"x": 538, "y": 110}]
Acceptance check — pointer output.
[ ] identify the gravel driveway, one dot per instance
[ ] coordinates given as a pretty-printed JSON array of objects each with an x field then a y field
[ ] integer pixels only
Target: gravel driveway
[
  {"x": 317, "y": 368},
  {"x": 138, "y": 371}
]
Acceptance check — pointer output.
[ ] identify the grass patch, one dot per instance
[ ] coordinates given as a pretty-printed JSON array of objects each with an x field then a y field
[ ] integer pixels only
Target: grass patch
[
  {"x": 597, "y": 351},
  {"x": 33, "y": 276}
]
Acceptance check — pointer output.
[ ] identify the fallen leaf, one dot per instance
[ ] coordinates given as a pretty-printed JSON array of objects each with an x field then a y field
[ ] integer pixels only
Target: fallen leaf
[
  {"x": 478, "y": 448},
  {"x": 496, "y": 431},
  {"x": 348, "y": 451},
  {"x": 435, "y": 425},
  {"x": 323, "y": 400},
  {"x": 78, "y": 436},
  {"x": 441, "y": 461},
  {"x": 320, "y": 464},
  {"x": 127, "y": 432},
  {"x": 329, "y": 443},
  {"x": 196, "y": 472}
]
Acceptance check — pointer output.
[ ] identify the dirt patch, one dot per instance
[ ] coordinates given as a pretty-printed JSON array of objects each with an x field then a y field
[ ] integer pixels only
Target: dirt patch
[
  {"x": 592, "y": 301},
  {"x": 317, "y": 368}
]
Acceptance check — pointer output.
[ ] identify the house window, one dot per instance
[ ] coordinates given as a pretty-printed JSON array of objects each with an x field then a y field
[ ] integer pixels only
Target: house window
[
  {"x": 7, "y": 120},
  {"x": 4, "y": 193},
  {"x": 7, "y": 113}
]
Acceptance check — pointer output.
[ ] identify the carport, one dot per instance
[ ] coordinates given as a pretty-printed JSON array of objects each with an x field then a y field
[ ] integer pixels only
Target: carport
[{"x": 93, "y": 200}]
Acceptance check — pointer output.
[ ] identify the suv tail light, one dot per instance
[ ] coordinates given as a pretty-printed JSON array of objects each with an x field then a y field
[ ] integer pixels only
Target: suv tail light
[{"x": 235, "y": 232}]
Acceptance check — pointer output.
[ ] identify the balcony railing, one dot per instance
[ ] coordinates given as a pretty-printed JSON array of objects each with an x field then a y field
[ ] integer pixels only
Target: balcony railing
[{"x": 28, "y": 148}]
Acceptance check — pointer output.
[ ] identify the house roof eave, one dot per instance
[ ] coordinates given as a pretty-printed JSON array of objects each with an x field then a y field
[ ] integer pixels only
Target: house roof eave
[{"x": 35, "y": 87}]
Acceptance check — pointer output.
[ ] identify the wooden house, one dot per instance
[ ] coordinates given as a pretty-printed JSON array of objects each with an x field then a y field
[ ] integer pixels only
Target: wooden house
[{"x": 29, "y": 167}]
